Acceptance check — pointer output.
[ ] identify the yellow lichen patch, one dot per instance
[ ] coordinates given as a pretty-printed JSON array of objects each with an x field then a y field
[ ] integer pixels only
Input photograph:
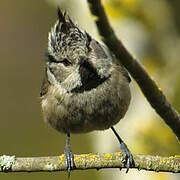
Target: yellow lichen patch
[
  {"x": 92, "y": 157},
  {"x": 61, "y": 158},
  {"x": 177, "y": 156},
  {"x": 84, "y": 155},
  {"x": 118, "y": 153},
  {"x": 108, "y": 156},
  {"x": 77, "y": 158},
  {"x": 163, "y": 160}
]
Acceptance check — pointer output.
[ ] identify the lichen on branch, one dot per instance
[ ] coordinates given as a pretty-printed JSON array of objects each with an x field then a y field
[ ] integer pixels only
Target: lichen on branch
[{"x": 92, "y": 161}]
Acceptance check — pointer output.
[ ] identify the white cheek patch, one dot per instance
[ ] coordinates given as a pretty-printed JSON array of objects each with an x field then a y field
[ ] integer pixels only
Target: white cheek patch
[
  {"x": 72, "y": 81},
  {"x": 51, "y": 77}
]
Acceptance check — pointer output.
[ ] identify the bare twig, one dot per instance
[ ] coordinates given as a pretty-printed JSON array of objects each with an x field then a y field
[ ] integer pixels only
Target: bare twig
[
  {"x": 151, "y": 91},
  {"x": 89, "y": 161}
]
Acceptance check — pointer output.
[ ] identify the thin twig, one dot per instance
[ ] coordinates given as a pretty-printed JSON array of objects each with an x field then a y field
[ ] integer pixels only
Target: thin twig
[
  {"x": 89, "y": 161},
  {"x": 148, "y": 86}
]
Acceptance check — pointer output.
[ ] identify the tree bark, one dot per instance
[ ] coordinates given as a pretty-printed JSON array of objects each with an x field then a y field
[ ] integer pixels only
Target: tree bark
[{"x": 89, "y": 161}]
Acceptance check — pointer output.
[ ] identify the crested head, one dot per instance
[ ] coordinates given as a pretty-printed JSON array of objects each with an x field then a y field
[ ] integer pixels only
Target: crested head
[
  {"x": 65, "y": 38},
  {"x": 73, "y": 53}
]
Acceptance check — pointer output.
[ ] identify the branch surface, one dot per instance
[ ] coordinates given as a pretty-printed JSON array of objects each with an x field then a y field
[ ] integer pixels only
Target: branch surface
[
  {"x": 88, "y": 161},
  {"x": 148, "y": 86}
]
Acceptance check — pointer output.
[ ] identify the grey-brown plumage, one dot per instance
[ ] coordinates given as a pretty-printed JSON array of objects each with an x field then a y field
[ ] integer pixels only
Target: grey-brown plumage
[{"x": 84, "y": 88}]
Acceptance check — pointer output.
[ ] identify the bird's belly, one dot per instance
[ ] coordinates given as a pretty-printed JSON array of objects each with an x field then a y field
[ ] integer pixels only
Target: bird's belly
[
  {"x": 84, "y": 119},
  {"x": 81, "y": 113}
]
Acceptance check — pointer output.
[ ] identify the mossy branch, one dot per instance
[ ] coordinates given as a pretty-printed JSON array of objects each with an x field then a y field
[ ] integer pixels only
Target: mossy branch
[
  {"x": 88, "y": 161},
  {"x": 148, "y": 86}
]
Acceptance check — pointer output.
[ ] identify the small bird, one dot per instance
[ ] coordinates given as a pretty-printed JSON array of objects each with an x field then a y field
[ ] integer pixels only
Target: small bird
[{"x": 85, "y": 88}]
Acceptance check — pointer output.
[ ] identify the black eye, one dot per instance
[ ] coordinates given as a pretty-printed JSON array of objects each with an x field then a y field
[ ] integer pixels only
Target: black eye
[
  {"x": 66, "y": 62},
  {"x": 50, "y": 58}
]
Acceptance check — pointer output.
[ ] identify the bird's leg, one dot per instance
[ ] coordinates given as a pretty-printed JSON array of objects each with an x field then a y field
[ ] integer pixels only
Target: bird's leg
[
  {"x": 69, "y": 157},
  {"x": 128, "y": 156}
]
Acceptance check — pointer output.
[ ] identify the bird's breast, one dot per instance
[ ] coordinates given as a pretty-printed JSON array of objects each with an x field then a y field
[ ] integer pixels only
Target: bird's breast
[{"x": 87, "y": 110}]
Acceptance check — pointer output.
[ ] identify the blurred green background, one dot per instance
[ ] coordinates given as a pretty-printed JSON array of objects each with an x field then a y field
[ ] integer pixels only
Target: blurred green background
[{"x": 149, "y": 29}]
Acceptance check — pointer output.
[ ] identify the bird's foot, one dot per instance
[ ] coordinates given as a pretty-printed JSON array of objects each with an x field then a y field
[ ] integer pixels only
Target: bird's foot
[
  {"x": 126, "y": 152},
  {"x": 69, "y": 160},
  {"x": 127, "y": 156}
]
